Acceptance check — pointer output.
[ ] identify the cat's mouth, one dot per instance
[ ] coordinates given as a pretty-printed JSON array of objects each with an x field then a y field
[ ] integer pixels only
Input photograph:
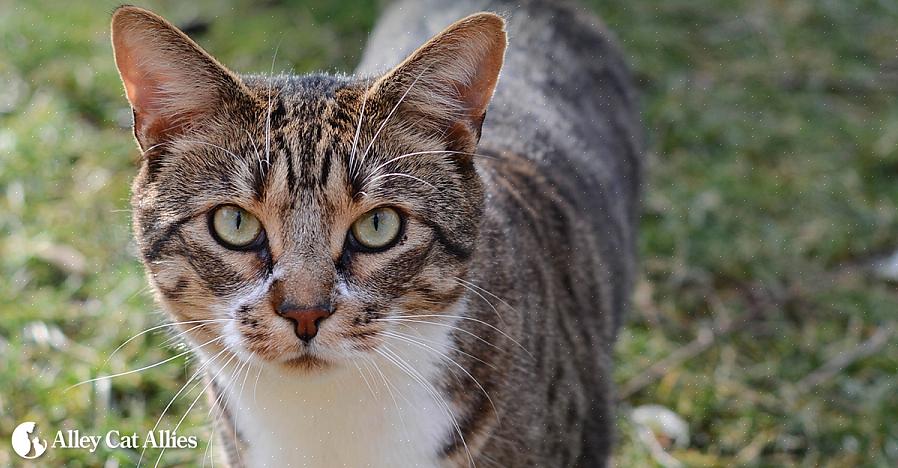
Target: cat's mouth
[
  {"x": 304, "y": 358},
  {"x": 277, "y": 346}
]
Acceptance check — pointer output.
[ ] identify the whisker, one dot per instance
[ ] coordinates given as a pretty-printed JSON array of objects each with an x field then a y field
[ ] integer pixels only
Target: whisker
[
  {"x": 193, "y": 377},
  {"x": 221, "y": 395},
  {"x": 367, "y": 383},
  {"x": 409, "y": 370},
  {"x": 398, "y": 391},
  {"x": 151, "y": 148},
  {"x": 451, "y": 347},
  {"x": 209, "y": 444},
  {"x": 393, "y": 110},
  {"x": 140, "y": 291},
  {"x": 268, "y": 114},
  {"x": 486, "y": 291},
  {"x": 224, "y": 401},
  {"x": 120, "y": 374},
  {"x": 448, "y": 358},
  {"x": 463, "y": 317},
  {"x": 164, "y": 325},
  {"x": 212, "y": 407},
  {"x": 256, "y": 385},
  {"x": 355, "y": 140},
  {"x": 469, "y": 288},
  {"x": 388, "y": 386},
  {"x": 180, "y": 334},
  {"x": 255, "y": 150},
  {"x": 420, "y": 153},
  {"x": 202, "y": 392},
  {"x": 440, "y": 324},
  {"x": 237, "y": 414},
  {"x": 399, "y": 174},
  {"x": 199, "y": 142},
  {"x": 197, "y": 380}
]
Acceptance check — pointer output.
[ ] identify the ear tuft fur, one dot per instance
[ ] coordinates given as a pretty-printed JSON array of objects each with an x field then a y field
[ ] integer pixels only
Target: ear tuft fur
[
  {"x": 171, "y": 83},
  {"x": 450, "y": 80}
]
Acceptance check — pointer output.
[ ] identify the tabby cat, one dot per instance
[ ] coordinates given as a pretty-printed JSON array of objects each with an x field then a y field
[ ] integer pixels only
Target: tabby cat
[{"x": 372, "y": 273}]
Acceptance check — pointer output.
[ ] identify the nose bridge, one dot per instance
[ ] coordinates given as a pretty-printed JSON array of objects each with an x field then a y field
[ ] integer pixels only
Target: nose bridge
[
  {"x": 303, "y": 282},
  {"x": 301, "y": 292},
  {"x": 304, "y": 272}
]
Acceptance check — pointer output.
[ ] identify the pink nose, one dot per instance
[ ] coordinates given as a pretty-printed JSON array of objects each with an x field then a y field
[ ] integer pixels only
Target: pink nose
[{"x": 306, "y": 319}]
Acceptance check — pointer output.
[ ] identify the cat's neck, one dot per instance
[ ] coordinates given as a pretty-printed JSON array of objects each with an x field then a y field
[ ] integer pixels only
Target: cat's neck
[{"x": 381, "y": 411}]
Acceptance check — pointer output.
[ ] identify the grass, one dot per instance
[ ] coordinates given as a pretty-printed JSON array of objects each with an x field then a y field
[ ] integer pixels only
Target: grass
[{"x": 773, "y": 153}]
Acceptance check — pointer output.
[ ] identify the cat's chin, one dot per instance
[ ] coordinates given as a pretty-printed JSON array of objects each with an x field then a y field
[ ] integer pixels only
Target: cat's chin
[
  {"x": 301, "y": 361},
  {"x": 306, "y": 363}
]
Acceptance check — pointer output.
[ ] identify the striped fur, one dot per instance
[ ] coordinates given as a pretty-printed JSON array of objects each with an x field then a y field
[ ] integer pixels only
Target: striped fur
[{"x": 485, "y": 335}]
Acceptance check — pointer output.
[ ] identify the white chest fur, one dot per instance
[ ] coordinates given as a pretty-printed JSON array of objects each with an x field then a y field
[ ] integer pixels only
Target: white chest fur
[{"x": 347, "y": 417}]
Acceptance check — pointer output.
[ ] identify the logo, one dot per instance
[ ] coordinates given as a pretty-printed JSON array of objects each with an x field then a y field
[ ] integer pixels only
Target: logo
[
  {"x": 27, "y": 444},
  {"x": 25, "y": 441}
]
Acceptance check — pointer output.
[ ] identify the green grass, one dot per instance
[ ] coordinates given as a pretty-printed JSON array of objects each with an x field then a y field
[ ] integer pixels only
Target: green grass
[{"x": 773, "y": 154}]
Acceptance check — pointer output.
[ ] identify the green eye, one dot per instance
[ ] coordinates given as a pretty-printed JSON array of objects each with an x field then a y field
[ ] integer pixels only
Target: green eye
[
  {"x": 235, "y": 227},
  {"x": 377, "y": 228}
]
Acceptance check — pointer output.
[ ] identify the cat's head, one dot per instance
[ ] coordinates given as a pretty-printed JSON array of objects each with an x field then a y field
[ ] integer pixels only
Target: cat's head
[{"x": 294, "y": 219}]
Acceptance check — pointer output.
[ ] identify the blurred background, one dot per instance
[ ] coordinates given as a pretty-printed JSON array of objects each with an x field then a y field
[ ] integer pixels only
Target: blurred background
[{"x": 764, "y": 327}]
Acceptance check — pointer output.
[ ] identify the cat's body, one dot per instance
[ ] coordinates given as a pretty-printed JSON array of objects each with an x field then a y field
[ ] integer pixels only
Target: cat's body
[{"x": 494, "y": 326}]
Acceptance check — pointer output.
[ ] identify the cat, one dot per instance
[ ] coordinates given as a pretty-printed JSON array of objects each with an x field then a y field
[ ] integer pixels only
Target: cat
[{"x": 370, "y": 270}]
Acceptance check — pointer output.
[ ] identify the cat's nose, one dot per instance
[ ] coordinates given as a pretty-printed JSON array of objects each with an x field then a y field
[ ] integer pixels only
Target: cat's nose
[{"x": 306, "y": 319}]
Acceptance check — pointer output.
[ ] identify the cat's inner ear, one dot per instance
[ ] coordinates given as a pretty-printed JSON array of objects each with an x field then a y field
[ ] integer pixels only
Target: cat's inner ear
[
  {"x": 171, "y": 83},
  {"x": 448, "y": 82}
]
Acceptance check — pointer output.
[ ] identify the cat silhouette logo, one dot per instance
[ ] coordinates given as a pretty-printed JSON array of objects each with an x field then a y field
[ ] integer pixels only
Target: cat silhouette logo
[{"x": 25, "y": 441}]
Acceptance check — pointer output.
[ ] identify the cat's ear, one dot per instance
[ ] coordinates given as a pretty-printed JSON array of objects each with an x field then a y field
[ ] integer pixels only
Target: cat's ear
[
  {"x": 171, "y": 83},
  {"x": 449, "y": 81}
]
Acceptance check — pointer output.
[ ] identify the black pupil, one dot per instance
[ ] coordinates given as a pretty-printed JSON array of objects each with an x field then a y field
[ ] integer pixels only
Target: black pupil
[
  {"x": 238, "y": 221},
  {"x": 376, "y": 221}
]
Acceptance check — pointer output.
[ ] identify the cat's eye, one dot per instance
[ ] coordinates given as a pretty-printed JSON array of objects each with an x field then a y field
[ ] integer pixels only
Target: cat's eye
[
  {"x": 235, "y": 228},
  {"x": 377, "y": 229}
]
